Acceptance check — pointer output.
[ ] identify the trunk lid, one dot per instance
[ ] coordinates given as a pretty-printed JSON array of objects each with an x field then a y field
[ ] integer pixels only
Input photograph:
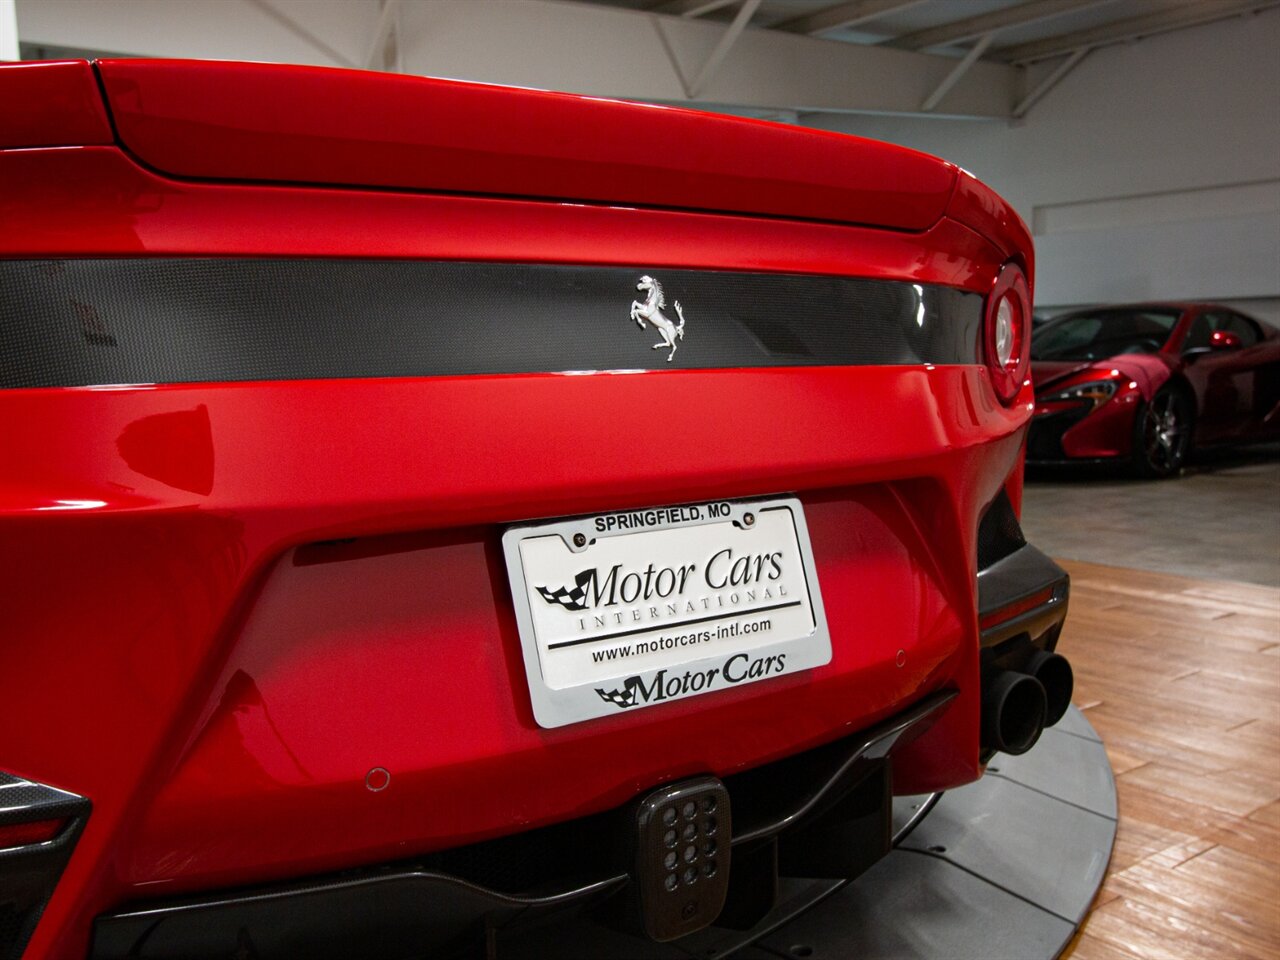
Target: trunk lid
[{"x": 293, "y": 124}]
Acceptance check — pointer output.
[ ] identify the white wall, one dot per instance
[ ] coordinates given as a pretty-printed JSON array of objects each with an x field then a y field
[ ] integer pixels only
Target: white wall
[
  {"x": 1151, "y": 171},
  {"x": 551, "y": 44},
  {"x": 8, "y": 30},
  {"x": 613, "y": 52},
  {"x": 218, "y": 30}
]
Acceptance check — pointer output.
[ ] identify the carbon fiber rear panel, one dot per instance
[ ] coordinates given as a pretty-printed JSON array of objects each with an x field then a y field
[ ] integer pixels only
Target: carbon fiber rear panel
[{"x": 67, "y": 323}]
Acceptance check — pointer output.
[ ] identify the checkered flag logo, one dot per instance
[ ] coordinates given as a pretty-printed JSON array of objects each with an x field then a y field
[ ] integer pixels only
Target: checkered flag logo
[
  {"x": 626, "y": 697},
  {"x": 570, "y": 599}
]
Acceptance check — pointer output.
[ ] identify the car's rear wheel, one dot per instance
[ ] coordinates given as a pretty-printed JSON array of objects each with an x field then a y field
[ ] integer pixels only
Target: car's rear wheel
[{"x": 1162, "y": 434}]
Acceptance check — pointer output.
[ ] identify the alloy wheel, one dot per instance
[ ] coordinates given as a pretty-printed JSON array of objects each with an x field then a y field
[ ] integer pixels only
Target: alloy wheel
[{"x": 1164, "y": 433}]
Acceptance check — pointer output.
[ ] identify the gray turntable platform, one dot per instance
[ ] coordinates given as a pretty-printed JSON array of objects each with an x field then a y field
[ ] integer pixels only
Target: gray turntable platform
[{"x": 1003, "y": 868}]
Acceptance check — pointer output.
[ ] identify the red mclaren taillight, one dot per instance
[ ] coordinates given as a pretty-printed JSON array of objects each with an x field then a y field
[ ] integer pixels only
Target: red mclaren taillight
[{"x": 1007, "y": 333}]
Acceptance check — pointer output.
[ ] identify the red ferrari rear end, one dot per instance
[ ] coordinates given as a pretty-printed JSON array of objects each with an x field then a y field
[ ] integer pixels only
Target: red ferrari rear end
[{"x": 439, "y": 517}]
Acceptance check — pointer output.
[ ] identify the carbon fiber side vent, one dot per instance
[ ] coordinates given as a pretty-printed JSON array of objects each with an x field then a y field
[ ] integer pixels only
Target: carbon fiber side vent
[
  {"x": 39, "y": 826},
  {"x": 999, "y": 533}
]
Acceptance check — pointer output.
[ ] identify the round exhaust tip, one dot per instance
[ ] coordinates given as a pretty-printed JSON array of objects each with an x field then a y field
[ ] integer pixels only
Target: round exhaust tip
[
  {"x": 1013, "y": 712},
  {"x": 1054, "y": 673}
]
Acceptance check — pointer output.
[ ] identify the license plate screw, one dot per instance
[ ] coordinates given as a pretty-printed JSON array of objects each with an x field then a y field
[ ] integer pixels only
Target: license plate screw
[
  {"x": 748, "y": 519},
  {"x": 579, "y": 540}
]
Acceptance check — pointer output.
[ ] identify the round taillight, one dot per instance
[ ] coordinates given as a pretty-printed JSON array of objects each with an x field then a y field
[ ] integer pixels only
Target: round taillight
[
  {"x": 1005, "y": 332},
  {"x": 1008, "y": 333}
]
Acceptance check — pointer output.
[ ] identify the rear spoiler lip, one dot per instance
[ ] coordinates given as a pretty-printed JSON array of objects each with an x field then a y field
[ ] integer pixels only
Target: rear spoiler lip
[
  {"x": 323, "y": 126},
  {"x": 231, "y": 121}
]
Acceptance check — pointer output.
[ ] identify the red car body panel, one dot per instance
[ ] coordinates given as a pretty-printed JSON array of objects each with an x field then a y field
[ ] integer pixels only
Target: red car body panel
[
  {"x": 1236, "y": 392},
  {"x": 96, "y": 201},
  {"x": 977, "y": 205},
  {"x": 51, "y": 104},
  {"x": 1237, "y": 389},
  {"x": 222, "y": 682}
]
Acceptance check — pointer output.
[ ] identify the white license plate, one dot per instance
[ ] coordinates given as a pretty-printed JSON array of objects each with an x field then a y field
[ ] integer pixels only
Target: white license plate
[{"x": 627, "y": 610}]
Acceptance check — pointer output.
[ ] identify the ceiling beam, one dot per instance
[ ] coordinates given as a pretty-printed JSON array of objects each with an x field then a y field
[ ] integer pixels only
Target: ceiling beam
[
  {"x": 691, "y": 8},
  {"x": 1175, "y": 18},
  {"x": 842, "y": 15},
  {"x": 376, "y": 58},
  {"x": 637, "y": 55},
  {"x": 952, "y": 78},
  {"x": 730, "y": 37},
  {"x": 1049, "y": 82},
  {"x": 303, "y": 34},
  {"x": 958, "y": 31}
]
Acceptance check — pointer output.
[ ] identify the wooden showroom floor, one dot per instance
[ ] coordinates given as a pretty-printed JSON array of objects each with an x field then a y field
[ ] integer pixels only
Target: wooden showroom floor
[{"x": 1181, "y": 678}]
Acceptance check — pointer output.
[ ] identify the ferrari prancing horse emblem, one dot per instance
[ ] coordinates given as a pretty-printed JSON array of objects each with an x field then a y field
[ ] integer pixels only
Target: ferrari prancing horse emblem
[{"x": 651, "y": 310}]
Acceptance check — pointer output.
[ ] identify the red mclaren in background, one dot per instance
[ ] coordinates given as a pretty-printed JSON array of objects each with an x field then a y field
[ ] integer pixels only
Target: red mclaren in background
[
  {"x": 1146, "y": 383},
  {"x": 446, "y": 519}
]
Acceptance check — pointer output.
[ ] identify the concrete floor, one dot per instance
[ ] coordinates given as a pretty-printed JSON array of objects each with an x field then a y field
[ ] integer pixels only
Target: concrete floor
[{"x": 1220, "y": 520}]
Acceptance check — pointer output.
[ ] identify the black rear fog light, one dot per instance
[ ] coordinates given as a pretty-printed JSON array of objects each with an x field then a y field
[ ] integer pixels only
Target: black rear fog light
[{"x": 681, "y": 871}]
